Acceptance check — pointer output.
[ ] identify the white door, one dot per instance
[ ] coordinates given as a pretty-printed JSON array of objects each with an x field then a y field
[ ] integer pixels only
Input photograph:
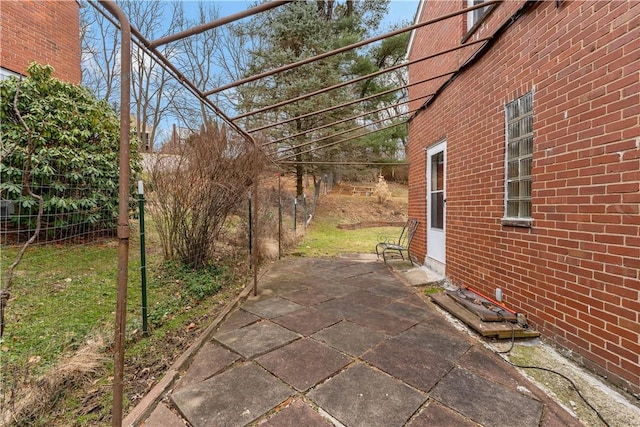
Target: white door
[{"x": 436, "y": 201}]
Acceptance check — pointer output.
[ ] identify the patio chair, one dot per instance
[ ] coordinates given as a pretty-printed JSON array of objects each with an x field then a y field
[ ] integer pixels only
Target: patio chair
[{"x": 402, "y": 244}]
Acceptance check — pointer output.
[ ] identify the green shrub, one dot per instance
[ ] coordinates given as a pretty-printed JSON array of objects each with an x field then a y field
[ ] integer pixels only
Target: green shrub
[
  {"x": 190, "y": 286},
  {"x": 70, "y": 152},
  {"x": 382, "y": 191}
]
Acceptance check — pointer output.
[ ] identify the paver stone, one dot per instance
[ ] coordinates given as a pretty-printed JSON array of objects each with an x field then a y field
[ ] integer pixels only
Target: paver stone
[
  {"x": 232, "y": 399},
  {"x": 361, "y": 396}
]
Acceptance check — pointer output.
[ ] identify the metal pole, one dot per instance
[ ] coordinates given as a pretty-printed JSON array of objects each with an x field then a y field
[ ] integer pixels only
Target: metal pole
[
  {"x": 331, "y": 144},
  {"x": 177, "y": 74},
  {"x": 143, "y": 262},
  {"x": 348, "y": 119},
  {"x": 123, "y": 209},
  {"x": 359, "y": 79},
  {"x": 217, "y": 23},
  {"x": 334, "y": 134},
  {"x": 279, "y": 216},
  {"x": 346, "y": 104},
  {"x": 250, "y": 234},
  {"x": 295, "y": 215},
  {"x": 350, "y": 47},
  {"x": 255, "y": 237}
]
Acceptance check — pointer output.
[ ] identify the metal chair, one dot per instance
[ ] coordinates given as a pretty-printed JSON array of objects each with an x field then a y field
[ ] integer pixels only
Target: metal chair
[{"x": 402, "y": 244}]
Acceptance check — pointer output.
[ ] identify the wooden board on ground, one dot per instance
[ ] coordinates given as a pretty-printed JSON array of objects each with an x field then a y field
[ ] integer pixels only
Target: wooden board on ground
[
  {"x": 486, "y": 329},
  {"x": 481, "y": 307}
]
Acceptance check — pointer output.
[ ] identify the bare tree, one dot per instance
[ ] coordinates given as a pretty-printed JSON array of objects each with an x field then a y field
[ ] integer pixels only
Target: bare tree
[
  {"x": 197, "y": 189},
  {"x": 198, "y": 60},
  {"x": 99, "y": 49},
  {"x": 153, "y": 88}
]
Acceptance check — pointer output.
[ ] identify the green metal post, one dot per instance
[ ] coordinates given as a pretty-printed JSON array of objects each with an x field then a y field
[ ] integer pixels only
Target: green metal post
[
  {"x": 279, "y": 216},
  {"x": 295, "y": 215},
  {"x": 143, "y": 262}
]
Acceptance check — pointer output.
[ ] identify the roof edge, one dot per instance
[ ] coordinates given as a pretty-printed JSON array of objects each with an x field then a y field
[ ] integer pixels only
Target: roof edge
[{"x": 416, "y": 20}]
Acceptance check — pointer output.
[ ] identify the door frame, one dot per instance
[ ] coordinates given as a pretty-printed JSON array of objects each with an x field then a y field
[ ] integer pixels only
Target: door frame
[{"x": 436, "y": 238}]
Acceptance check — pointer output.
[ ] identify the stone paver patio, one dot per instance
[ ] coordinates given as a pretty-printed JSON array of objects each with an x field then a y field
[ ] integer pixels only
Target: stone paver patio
[{"x": 347, "y": 343}]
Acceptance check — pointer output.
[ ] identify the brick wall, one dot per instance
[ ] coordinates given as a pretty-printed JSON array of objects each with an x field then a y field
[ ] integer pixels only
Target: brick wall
[
  {"x": 47, "y": 32},
  {"x": 576, "y": 271}
]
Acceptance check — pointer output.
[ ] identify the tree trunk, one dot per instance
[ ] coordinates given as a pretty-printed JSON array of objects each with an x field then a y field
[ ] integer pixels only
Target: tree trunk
[
  {"x": 317, "y": 185},
  {"x": 299, "y": 174},
  {"x": 299, "y": 167}
]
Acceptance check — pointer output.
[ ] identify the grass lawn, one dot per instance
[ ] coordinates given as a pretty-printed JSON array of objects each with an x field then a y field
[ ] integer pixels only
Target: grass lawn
[
  {"x": 324, "y": 238},
  {"x": 58, "y": 295},
  {"x": 63, "y": 296}
]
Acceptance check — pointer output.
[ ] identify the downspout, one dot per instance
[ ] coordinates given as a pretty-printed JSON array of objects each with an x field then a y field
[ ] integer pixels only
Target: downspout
[
  {"x": 123, "y": 210},
  {"x": 479, "y": 54}
]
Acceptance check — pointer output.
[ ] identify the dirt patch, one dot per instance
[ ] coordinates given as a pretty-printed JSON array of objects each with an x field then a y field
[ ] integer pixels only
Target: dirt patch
[{"x": 364, "y": 209}]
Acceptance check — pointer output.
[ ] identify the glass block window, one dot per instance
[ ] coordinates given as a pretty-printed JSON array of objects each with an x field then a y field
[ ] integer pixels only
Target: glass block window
[{"x": 519, "y": 157}]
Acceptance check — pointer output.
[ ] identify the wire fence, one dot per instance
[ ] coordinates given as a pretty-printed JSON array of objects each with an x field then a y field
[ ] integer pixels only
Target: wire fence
[
  {"x": 59, "y": 301},
  {"x": 58, "y": 319},
  {"x": 71, "y": 213},
  {"x": 59, "y": 292}
]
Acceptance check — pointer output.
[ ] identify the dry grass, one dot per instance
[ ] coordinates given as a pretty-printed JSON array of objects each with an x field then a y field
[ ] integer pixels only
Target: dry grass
[{"x": 34, "y": 397}]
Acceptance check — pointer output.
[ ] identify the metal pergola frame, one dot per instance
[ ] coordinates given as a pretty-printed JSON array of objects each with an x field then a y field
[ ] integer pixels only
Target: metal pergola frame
[{"x": 130, "y": 34}]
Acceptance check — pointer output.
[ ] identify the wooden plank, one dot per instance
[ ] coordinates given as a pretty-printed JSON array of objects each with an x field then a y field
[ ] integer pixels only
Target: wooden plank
[
  {"x": 486, "y": 329},
  {"x": 481, "y": 307}
]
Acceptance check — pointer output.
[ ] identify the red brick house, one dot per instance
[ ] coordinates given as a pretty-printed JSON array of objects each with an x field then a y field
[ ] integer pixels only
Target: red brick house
[
  {"x": 43, "y": 31},
  {"x": 525, "y": 166}
]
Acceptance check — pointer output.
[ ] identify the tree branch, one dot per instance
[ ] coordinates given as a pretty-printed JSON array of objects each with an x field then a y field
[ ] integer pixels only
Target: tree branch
[{"x": 26, "y": 177}]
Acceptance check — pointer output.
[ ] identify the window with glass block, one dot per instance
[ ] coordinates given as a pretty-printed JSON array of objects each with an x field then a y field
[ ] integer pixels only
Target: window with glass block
[{"x": 519, "y": 140}]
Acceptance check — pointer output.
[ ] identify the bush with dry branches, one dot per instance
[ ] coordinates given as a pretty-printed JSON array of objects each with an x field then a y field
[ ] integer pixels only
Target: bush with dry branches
[
  {"x": 382, "y": 191},
  {"x": 195, "y": 189}
]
